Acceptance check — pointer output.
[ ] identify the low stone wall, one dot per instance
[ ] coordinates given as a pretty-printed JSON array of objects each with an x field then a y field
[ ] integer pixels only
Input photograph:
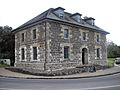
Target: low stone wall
[
  {"x": 69, "y": 71},
  {"x": 24, "y": 65},
  {"x": 57, "y": 66}
]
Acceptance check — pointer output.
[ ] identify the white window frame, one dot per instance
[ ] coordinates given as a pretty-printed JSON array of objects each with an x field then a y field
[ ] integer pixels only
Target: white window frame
[
  {"x": 67, "y": 33},
  {"x": 34, "y": 28},
  {"x": 67, "y": 52},
  {"x": 100, "y": 54},
  {"x": 33, "y": 34},
  {"x": 22, "y": 37},
  {"x": 31, "y": 51},
  {"x": 24, "y": 53},
  {"x": 62, "y": 50},
  {"x": 86, "y": 38},
  {"x": 97, "y": 34},
  {"x": 36, "y": 53}
]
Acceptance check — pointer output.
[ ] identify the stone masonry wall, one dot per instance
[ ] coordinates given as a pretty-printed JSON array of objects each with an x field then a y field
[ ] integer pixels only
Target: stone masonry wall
[
  {"x": 28, "y": 43},
  {"x": 56, "y": 43},
  {"x": 51, "y": 53}
]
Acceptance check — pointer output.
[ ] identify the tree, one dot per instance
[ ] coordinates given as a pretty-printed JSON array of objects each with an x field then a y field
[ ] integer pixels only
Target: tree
[
  {"x": 113, "y": 50},
  {"x": 7, "y": 43}
]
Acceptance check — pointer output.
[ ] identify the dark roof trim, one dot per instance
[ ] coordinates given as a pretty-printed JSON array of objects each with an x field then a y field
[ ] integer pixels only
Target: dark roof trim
[
  {"x": 76, "y": 14},
  {"x": 89, "y": 18},
  {"x": 59, "y": 8}
]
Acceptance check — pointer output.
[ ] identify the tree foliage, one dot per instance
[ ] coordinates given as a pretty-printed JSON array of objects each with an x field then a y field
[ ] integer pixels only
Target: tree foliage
[
  {"x": 7, "y": 43},
  {"x": 113, "y": 50}
]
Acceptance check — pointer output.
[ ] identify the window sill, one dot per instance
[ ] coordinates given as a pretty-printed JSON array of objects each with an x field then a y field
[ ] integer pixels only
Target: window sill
[
  {"x": 34, "y": 60},
  {"x": 66, "y": 38},
  {"x": 84, "y": 40},
  {"x": 98, "y": 58},
  {"x": 23, "y": 60}
]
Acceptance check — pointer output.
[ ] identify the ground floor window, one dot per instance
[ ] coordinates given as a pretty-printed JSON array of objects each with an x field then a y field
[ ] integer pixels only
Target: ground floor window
[
  {"x": 98, "y": 53},
  {"x": 66, "y": 52},
  {"x": 34, "y": 53},
  {"x": 22, "y": 53}
]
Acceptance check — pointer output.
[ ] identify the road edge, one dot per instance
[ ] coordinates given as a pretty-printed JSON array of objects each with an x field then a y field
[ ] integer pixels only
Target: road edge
[{"x": 61, "y": 77}]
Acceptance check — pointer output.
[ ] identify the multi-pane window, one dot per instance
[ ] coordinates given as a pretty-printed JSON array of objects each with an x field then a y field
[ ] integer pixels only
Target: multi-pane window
[
  {"x": 66, "y": 52},
  {"x": 34, "y": 53},
  {"x": 22, "y": 53},
  {"x": 22, "y": 36},
  {"x": 34, "y": 34},
  {"x": 98, "y": 52},
  {"x": 66, "y": 33},
  {"x": 98, "y": 38},
  {"x": 84, "y": 35}
]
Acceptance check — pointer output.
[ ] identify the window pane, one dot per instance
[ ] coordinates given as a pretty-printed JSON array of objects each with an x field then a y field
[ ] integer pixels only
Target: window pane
[
  {"x": 23, "y": 53},
  {"x": 22, "y": 36},
  {"x": 98, "y": 52},
  {"x": 66, "y": 33},
  {"x": 84, "y": 35},
  {"x": 97, "y": 38},
  {"x": 66, "y": 52},
  {"x": 34, "y": 53},
  {"x": 34, "y": 34}
]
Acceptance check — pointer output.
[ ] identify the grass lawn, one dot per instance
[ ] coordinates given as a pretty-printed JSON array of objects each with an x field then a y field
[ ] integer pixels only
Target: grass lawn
[
  {"x": 111, "y": 61},
  {"x": 3, "y": 65}
]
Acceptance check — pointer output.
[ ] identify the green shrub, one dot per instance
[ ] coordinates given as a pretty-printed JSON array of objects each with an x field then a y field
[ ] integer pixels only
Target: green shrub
[
  {"x": 3, "y": 65},
  {"x": 111, "y": 61}
]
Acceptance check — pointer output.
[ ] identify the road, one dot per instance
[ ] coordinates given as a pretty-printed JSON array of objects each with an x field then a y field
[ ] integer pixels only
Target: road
[{"x": 111, "y": 82}]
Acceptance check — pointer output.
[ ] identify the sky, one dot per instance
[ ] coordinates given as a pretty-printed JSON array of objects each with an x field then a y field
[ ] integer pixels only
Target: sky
[{"x": 106, "y": 12}]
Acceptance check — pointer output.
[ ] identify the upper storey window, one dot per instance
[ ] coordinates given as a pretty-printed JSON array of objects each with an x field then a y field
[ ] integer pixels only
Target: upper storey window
[
  {"x": 34, "y": 34},
  {"x": 66, "y": 33},
  {"x": 84, "y": 36},
  {"x": 22, "y": 37},
  {"x": 97, "y": 38}
]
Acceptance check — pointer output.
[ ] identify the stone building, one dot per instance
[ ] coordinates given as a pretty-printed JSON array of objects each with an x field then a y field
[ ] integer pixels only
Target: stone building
[{"x": 57, "y": 39}]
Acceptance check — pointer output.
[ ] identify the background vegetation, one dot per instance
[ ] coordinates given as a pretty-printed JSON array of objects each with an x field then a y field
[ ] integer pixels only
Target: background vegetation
[
  {"x": 7, "y": 43},
  {"x": 113, "y": 50}
]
